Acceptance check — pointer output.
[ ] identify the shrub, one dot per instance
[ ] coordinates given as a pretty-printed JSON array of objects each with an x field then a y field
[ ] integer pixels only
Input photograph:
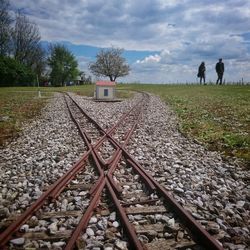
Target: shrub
[{"x": 13, "y": 73}]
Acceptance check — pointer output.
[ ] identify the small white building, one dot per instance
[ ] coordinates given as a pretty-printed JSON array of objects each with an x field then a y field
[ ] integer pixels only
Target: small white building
[{"x": 105, "y": 90}]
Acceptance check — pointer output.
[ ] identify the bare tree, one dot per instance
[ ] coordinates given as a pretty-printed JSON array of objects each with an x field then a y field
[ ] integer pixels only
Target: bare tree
[
  {"x": 5, "y": 27},
  {"x": 110, "y": 63},
  {"x": 26, "y": 44},
  {"x": 26, "y": 40},
  {"x": 39, "y": 61}
]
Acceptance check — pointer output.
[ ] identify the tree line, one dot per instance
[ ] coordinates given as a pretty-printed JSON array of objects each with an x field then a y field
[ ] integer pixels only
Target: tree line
[
  {"x": 24, "y": 62},
  {"x": 21, "y": 56}
]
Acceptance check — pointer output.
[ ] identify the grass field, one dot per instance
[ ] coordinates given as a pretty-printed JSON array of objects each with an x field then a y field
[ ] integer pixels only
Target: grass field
[
  {"x": 16, "y": 106},
  {"x": 217, "y": 116}
]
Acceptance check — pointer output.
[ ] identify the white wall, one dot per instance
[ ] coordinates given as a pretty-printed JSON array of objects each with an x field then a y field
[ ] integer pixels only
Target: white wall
[{"x": 100, "y": 92}]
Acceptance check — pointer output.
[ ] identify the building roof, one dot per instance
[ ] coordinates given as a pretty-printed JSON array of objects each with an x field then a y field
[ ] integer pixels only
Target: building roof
[{"x": 105, "y": 83}]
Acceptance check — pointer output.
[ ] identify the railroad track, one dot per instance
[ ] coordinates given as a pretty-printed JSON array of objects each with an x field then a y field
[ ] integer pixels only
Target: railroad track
[{"x": 107, "y": 198}]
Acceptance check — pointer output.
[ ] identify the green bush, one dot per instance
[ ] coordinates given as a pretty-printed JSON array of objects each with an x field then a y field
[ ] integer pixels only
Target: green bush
[{"x": 13, "y": 73}]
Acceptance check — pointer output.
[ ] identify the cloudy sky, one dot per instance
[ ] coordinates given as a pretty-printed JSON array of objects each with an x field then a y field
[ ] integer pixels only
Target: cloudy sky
[{"x": 164, "y": 40}]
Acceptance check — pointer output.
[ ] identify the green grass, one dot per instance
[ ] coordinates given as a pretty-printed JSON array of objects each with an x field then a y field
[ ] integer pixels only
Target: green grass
[
  {"x": 19, "y": 104},
  {"x": 217, "y": 116}
]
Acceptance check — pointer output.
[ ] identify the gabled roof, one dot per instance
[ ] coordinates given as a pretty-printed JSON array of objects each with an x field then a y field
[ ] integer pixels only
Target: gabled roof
[{"x": 105, "y": 83}]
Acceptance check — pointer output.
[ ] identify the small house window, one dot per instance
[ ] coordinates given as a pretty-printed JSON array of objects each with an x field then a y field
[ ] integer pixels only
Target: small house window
[{"x": 106, "y": 92}]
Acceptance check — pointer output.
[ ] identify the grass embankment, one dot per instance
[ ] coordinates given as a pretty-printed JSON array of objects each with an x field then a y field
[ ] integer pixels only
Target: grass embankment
[
  {"x": 218, "y": 116},
  {"x": 16, "y": 106},
  {"x": 19, "y": 104}
]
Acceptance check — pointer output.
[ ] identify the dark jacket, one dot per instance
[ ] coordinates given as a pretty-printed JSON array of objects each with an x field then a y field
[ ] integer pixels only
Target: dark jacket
[
  {"x": 201, "y": 70},
  {"x": 219, "y": 67}
]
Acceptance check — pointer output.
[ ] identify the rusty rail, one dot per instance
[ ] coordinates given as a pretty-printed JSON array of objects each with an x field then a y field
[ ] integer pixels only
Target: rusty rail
[
  {"x": 59, "y": 185},
  {"x": 111, "y": 186},
  {"x": 199, "y": 233},
  {"x": 6, "y": 235}
]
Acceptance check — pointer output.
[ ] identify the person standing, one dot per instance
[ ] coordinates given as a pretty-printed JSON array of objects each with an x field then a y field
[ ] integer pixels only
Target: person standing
[
  {"x": 219, "y": 70},
  {"x": 201, "y": 72}
]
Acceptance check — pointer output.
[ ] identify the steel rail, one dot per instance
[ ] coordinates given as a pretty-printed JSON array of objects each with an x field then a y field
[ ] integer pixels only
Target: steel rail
[
  {"x": 137, "y": 107},
  {"x": 116, "y": 156},
  {"x": 199, "y": 233},
  {"x": 138, "y": 170},
  {"x": 56, "y": 187},
  {"x": 136, "y": 244},
  {"x": 110, "y": 131},
  {"x": 89, "y": 212},
  {"x": 6, "y": 235},
  {"x": 119, "y": 155},
  {"x": 52, "y": 191},
  {"x": 86, "y": 217},
  {"x": 109, "y": 181},
  {"x": 83, "y": 134},
  {"x": 111, "y": 186},
  {"x": 94, "y": 153}
]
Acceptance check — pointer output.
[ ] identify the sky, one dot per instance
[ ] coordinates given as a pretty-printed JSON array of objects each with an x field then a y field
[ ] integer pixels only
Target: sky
[{"x": 164, "y": 41}]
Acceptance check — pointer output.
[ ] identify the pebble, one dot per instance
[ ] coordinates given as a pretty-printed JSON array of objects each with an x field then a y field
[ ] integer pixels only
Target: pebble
[
  {"x": 93, "y": 220},
  {"x": 179, "y": 190},
  {"x": 171, "y": 222},
  {"x": 53, "y": 228},
  {"x": 18, "y": 241},
  {"x": 24, "y": 228},
  {"x": 121, "y": 245},
  {"x": 58, "y": 244},
  {"x": 112, "y": 216},
  {"x": 115, "y": 224},
  {"x": 90, "y": 232},
  {"x": 102, "y": 224}
]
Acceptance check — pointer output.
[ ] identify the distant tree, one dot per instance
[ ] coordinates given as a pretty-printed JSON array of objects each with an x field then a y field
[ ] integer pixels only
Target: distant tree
[
  {"x": 5, "y": 27},
  {"x": 88, "y": 80},
  {"x": 13, "y": 73},
  {"x": 21, "y": 42},
  {"x": 110, "y": 63},
  {"x": 63, "y": 65},
  {"x": 84, "y": 78},
  {"x": 26, "y": 41},
  {"x": 39, "y": 62},
  {"x": 26, "y": 45}
]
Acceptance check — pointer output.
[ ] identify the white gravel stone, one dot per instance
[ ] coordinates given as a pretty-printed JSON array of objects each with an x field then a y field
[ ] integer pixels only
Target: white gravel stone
[
  {"x": 90, "y": 232},
  {"x": 112, "y": 216},
  {"x": 53, "y": 228},
  {"x": 93, "y": 220},
  {"x": 171, "y": 222},
  {"x": 18, "y": 241},
  {"x": 115, "y": 224},
  {"x": 59, "y": 244},
  {"x": 24, "y": 228},
  {"x": 121, "y": 245}
]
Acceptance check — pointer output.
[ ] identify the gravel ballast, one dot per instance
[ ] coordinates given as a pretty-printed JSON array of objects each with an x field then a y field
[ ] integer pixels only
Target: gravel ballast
[{"x": 214, "y": 191}]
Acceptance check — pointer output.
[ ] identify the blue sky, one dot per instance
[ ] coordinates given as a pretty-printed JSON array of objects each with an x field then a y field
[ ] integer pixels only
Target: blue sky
[{"x": 164, "y": 41}]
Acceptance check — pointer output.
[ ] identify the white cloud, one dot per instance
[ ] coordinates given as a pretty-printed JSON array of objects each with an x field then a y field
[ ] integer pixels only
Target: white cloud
[
  {"x": 185, "y": 32},
  {"x": 150, "y": 59}
]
